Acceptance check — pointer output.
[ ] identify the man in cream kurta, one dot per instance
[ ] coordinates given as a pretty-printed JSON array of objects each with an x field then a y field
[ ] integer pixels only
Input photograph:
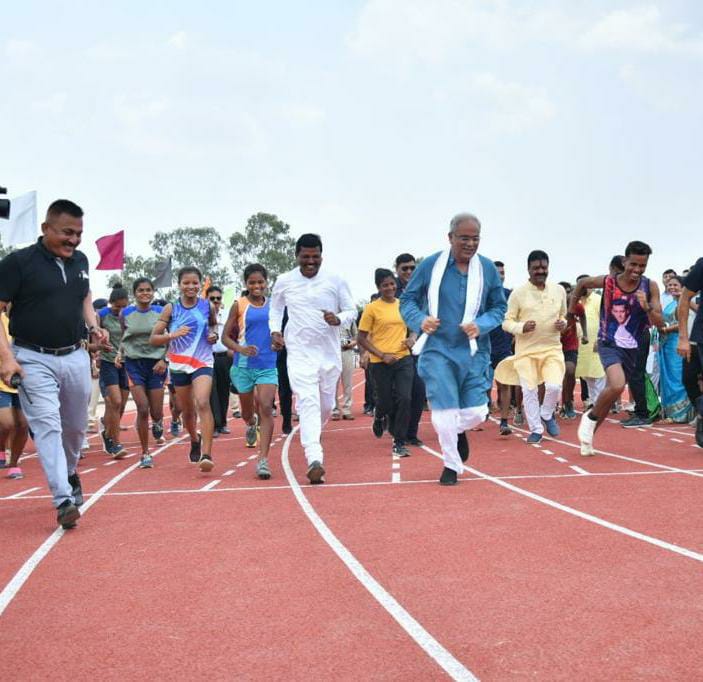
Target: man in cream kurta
[
  {"x": 456, "y": 298},
  {"x": 318, "y": 303},
  {"x": 536, "y": 317}
]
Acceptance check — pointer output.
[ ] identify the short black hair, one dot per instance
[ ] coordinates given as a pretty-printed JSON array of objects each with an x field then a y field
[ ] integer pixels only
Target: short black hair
[
  {"x": 582, "y": 277},
  {"x": 403, "y": 258},
  {"x": 64, "y": 206},
  {"x": 617, "y": 262},
  {"x": 99, "y": 303},
  {"x": 678, "y": 278},
  {"x": 214, "y": 287},
  {"x": 249, "y": 270},
  {"x": 308, "y": 241},
  {"x": 537, "y": 254},
  {"x": 499, "y": 263},
  {"x": 566, "y": 285},
  {"x": 189, "y": 270},
  {"x": 139, "y": 281},
  {"x": 118, "y": 292},
  {"x": 670, "y": 271},
  {"x": 381, "y": 274},
  {"x": 638, "y": 249}
]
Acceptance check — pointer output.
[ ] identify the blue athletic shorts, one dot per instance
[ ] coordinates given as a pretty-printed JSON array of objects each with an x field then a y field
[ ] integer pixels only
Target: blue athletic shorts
[
  {"x": 245, "y": 378},
  {"x": 9, "y": 400},
  {"x": 141, "y": 373},
  {"x": 614, "y": 355},
  {"x": 113, "y": 376},
  {"x": 187, "y": 378}
]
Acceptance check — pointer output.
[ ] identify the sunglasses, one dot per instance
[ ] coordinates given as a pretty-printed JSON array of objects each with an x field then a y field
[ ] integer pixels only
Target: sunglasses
[
  {"x": 407, "y": 268},
  {"x": 215, "y": 298}
]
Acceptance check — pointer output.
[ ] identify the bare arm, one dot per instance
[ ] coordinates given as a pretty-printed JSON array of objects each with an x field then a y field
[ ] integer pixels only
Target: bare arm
[
  {"x": 582, "y": 286},
  {"x": 683, "y": 347},
  {"x": 159, "y": 335},
  {"x": 654, "y": 311},
  {"x": 8, "y": 364}
]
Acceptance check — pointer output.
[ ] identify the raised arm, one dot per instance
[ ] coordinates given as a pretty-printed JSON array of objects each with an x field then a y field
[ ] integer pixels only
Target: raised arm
[
  {"x": 347, "y": 310},
  {"x": 582, "y": 286},
  {"x": 654, "y": 306}
]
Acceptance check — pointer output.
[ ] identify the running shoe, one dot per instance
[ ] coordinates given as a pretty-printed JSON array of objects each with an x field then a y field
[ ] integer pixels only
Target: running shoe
[
  {"x": 67, "y": 515},
  {"x": 568, "y": 411},
  {"x": 118, "y": 451},
  {"x": 551, "y": 426},
  {"x": 518, "y": 419},
  {"x": 699, "y": 427},
  {"x": 504, "y": 429},
  {"x": 634, "y": 422},
  {"x": 76, "y": 489},
  {"x": 194, "y": 455},
  {"x": 236, "y": 414},
  {"x": 378, "y": 426},
  {"x": 316, "y": 473},
  {"x": 262, "y": 469},
  {"x": 157, "y": 430},
  {"x": 252, "y": 433},
  {"x": 348, "y": 417},
  {"x": 462, "y": 445},
  {"x": 415, "y": 442},
  {"x": 15, "y": 473},
  {"x": 534, "y": 438},
  {"x": 107, "y": 442},
  {"x": 146, "y": 462},
  {"x": 224, "y": 430},
  {"x": 205, "y": 463},
  {"x": 400, "y": 450},
  {"x": 175, "y": 427},
  {"x": 448, "y": 477},
  {"x": 336, "y": 416},
  {"x": 586, "y": 429}
]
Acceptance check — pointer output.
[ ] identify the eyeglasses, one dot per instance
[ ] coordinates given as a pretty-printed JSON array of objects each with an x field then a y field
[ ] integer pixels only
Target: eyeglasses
[
  {"x": 215, "y": 298},
  {"x": 407, "y": 268}
]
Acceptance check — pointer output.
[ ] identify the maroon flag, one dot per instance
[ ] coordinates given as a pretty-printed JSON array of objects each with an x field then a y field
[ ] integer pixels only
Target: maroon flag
[{"x": 111, "y": 250}]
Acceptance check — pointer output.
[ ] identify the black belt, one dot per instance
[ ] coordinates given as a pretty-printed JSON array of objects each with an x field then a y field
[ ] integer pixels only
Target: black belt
[
  {"x": 65, "y": 350},
  {"x": 220, "y": 353}
]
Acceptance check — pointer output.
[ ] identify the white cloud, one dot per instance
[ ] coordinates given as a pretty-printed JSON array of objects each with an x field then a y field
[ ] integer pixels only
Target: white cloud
[
  {"x": 21, "y": 50},
  {"x": 178, "y": 40},
  {"x": 642, "y": 29}
]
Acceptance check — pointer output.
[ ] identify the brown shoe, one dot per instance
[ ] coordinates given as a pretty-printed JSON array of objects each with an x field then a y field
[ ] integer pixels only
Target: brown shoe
[
  {"x": 316, "y": 473},
  {"x": 348, "y": 417}
]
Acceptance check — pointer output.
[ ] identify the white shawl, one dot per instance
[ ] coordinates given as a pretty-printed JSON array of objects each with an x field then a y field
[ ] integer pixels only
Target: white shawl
[{"x": 474, "y": 292}]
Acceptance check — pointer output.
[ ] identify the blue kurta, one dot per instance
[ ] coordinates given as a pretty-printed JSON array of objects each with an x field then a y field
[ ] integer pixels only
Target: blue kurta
[{"x": 453, "y": 378}]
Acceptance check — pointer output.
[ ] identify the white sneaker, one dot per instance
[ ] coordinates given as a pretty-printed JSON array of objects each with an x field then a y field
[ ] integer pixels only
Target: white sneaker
[{"x": 587, "y": 427}]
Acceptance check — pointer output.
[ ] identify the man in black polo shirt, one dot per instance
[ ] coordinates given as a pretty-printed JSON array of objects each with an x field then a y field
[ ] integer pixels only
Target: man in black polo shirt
[{"x": 47, "y": 285}]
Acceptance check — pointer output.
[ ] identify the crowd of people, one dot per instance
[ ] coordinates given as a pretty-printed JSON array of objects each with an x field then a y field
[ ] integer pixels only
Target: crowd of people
[{"x": 436, "y": 335}]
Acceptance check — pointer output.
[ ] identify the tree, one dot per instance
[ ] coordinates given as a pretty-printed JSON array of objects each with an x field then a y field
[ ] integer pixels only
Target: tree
[
  {"x": 199, "y": 246},
  {"x": 135, "y": 267},
  {"x": 5, "y": 250},
  {"x": 266, "y": 240}
]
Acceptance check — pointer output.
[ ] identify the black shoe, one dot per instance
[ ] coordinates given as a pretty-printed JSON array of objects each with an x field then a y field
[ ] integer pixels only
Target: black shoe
[
  {"x": 462, "y": 445},
  {"x": 68, "y": 515},
  {"x": 634, "y": 422},
  {"x": 224, "y": 430},
  {"x": 505, "y": 430},
  {"x": 287, "y": 428},
  {"x": 77, "y": 491},
  {"x": 316, "y": 473},
  {"x": 194, "y": 455},
  {"x": 699, "y": 431},
  {"x": 378, "y": 426},
  {"x": 448, "y": 477},
  {"x": 416, "y": 442}
]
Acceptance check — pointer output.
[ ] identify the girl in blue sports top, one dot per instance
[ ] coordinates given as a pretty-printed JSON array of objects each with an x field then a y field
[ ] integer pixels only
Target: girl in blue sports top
[
  {"x": 191, "y": 323},
  {"x": 254, "y": 367}
]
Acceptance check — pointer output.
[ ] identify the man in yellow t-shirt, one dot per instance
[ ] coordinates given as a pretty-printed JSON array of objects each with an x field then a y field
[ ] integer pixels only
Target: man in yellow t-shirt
[
  {"x": 382, "y": 332},
  {"x": 536, "y": 317}
]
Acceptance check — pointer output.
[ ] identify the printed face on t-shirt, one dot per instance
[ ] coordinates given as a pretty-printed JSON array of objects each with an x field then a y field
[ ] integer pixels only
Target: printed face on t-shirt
[{"x": 620, "y": 312}]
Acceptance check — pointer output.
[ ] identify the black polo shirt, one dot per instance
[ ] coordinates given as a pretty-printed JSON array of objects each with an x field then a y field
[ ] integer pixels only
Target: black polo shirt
[
  {"x": 46, "y": 310},
  {"x": 694, "y": 282}
]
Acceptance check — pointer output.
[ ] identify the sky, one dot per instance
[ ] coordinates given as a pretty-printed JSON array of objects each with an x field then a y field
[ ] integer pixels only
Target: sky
[{"x": 568, "y": 127}]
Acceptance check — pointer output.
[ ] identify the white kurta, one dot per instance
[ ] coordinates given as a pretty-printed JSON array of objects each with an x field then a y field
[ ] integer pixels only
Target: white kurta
[{"x": 314, "y": 347}]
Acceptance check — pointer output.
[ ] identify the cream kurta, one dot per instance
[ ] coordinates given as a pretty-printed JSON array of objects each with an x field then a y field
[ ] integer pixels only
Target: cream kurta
[
  {"x": 589, "y": 364},
  {"x": 538, "y": 354}
]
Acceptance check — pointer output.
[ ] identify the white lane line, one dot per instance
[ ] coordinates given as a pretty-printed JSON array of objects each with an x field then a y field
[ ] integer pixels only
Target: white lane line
[
  {"x": 242, "y": 464},
  {"x": 676, "y": 440},
  {"x": 228, "y": 473},
  {"x": 561, "y": 459},
  {"x": 20, "y": 578},
  {"x": 395, "y": 477},
  {"x": 662, "y": 544},
  {"x": 110, "y": 463},
  {"x": 454, "y": 668},
  {"x": 579, "y": 470},
  {"x": 658, "y": 435},
  {"x": 252, "y": 457},
  {"x": 547, "y": 452},
  {"x": 22, "y": 493},
  {"x": 87, "y": 471},
  {"x": 211, "y": 485},
  {"x": 395, "y": 465}
]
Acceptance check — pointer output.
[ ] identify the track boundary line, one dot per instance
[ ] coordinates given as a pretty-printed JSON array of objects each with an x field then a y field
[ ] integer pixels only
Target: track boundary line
[
  {"x": 661, "y": 544},
  {"x": 25, "y": 571},
  {"x": 453, "y": 667}
]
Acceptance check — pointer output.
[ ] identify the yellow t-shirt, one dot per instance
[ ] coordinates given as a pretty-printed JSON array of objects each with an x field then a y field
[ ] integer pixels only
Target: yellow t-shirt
[
  {"x": 386, "y": 328},
  {"x": 6, "y": 324}
]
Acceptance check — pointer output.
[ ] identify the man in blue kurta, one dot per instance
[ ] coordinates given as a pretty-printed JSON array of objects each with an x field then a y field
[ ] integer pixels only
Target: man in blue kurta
[{"x": 455, "y": 297}]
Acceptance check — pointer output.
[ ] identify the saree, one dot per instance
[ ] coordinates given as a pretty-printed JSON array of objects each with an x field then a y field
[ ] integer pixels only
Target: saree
[{"x": 675, "y": 403}]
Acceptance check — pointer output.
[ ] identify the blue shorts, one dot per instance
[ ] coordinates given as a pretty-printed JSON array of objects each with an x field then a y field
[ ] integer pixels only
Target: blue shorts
[
  {"x": 245, "y": 378},
  {"x": 614, "y": 355},
  {"x": 9, "y": 400},
  {"x": 187, "y": 378},
  {"x": 141, "y": 373},
  {"x": 113, "y": 376}
]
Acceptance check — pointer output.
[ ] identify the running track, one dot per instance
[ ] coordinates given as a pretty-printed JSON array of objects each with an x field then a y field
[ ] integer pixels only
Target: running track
[{"x": 539, "y": 564}]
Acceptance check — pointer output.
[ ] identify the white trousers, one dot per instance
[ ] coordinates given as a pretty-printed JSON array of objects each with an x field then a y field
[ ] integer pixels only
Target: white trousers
[
  {"x": 595, "y": 386},
  {"x": 449, "y": 424},
  {"x": 533, "y": 412},
  {"x": 345, "y": 405},
  {"x": 314, "y": 382}
]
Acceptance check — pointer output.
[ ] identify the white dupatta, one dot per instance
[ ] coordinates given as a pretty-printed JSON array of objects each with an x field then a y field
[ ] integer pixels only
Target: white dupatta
[{"x": 474, "y": 292}]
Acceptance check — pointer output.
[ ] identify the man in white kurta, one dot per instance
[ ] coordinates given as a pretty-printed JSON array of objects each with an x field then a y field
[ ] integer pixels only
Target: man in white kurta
[{"x": 318, "y": 302}]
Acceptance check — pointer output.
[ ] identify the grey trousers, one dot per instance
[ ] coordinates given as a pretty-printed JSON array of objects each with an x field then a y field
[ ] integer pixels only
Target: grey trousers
[{"x": 54, "y": 395}]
